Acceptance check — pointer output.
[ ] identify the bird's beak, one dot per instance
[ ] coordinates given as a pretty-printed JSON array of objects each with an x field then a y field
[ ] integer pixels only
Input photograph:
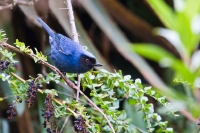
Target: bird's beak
[{"x": 97, "y": 65}]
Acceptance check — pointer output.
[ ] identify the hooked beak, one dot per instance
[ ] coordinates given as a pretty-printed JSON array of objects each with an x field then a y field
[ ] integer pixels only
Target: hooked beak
[{"x": 97, "y": 65}]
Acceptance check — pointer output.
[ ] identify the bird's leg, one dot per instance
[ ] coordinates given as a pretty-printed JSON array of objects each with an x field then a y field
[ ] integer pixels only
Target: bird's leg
[{"x": 78, "y": 86}]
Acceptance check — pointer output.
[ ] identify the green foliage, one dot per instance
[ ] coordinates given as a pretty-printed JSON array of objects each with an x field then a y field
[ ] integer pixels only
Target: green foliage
[
  {"x": 181, "y": 21},
  {"x": 183, "y": 34},
  {"x": 51, "y": 77},
  {"x": 40, "y": 56},
  {"x": 2, "y": 35},
  {"x": 22, "y": 47},
  {"x": 106, "y": 90},
  {"x": 27, "y": 50},
  {"x": 182, "y": 31},
  {"x": 7, "y": 56}
]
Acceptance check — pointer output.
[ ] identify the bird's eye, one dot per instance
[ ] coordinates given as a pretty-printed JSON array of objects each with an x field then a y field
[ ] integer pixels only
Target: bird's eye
[{"x": 87, "y": 60}]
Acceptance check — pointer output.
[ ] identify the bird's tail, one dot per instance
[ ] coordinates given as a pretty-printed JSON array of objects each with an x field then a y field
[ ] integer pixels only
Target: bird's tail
[{"x": 46, "y": 27}]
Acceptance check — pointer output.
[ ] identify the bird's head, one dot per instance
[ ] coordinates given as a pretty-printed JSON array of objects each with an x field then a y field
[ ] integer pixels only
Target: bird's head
[{"x": 87, "y": 61}]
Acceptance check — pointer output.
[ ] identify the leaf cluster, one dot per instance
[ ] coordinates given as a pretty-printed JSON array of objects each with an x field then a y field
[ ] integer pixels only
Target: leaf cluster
[{"x": 107, "y": 90}]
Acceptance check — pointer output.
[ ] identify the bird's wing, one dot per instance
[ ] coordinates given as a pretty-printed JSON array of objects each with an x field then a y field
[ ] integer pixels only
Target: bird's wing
[
  {"x": 66, "y": 45},
  {"x": 61, "y": 41}
]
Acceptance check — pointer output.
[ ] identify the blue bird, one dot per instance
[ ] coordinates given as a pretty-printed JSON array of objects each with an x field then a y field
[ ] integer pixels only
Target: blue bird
[{"x": 67, "y": 55}]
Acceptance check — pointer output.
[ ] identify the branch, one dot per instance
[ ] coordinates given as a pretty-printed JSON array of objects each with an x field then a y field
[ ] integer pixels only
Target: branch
[
  {"x": 16, "y": 2},
  {"x": 75, "y": 38},
  {"x": 66, "y": 119},
  {"x": 67, "y": 81},
  {"x": 71, "y": 20}
]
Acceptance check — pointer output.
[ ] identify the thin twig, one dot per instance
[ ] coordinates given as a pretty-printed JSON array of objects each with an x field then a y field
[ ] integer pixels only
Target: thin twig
[
  {"x": 72, "y": 92},
  {"x": 16, "y": 2},
  {"x": 75, "y": 38},
  {"x": 71, "y": 96},
  {"x": 71, "y": 84},
  {"x": 78, "y": 86},
  {"x": 198, "y": 130},
  {"x": 66, "y": 119}
]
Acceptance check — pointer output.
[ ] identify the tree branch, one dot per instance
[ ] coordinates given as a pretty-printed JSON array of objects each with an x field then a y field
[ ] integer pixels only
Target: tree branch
[
  {"x": 16, "y": 2},
  {"x": 71, "y": 20}
]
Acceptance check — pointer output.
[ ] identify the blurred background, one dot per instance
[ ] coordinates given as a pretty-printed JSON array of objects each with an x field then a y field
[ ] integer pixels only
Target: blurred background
[{"x": 154, "y": 40}]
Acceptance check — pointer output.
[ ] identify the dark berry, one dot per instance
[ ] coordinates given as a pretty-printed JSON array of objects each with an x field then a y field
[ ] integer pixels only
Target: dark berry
[
  {"x": 8, "y": 111},
  {"x": 11, "y": 106},
  {"x": 14, "y": 113},
  {"x": 11, "y": 111},
  {"x": 47, "y": 114},
  {"x": 79, "y": 125},
  {"x": 4, "y": 65},
  {"x": 48, "y": 129}
]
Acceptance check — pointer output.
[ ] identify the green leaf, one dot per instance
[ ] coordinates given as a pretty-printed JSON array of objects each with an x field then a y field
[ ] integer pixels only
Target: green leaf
[
  {"x": 192, "y": 8},
  {"x": 166, "y": 60},
  {"x": 162, "y": 99},
  {"x": 52, "y": 92},
  {"x": 1, "y": 99},
  {"x": 138, "y": 81},
  {"x": 144, "y": 99},
  {"x": 164, "y": 12},
  {"x": 127, "y": 77},
  {"x": 40, "y": 56},
  {"x": 169, "y": 130},
  {"x": 152, "y": 51},
  {"x": 132, "y": 101},
  {"x": 188, "y": 38},
  {"x": 122, "y": 116},
  {"x": 2, "y": 35},
  {"x": 160, "y": 130}
]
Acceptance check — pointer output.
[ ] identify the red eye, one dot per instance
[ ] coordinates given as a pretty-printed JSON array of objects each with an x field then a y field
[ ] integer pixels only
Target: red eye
[{"x": 87, "y": 60}]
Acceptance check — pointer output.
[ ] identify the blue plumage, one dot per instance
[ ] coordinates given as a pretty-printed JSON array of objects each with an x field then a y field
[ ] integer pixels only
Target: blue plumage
[{"x": 67, "y": 55}]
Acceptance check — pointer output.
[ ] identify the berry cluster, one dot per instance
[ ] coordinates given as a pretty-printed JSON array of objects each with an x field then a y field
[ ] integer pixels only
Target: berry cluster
[
  {"x": 32, "y": 92},
  {"x": 11, "y": 112},
  {"x": 79, "y": 125},
  {"x": 48, "y": 113},
  {"x": 4, "y": 64}
]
